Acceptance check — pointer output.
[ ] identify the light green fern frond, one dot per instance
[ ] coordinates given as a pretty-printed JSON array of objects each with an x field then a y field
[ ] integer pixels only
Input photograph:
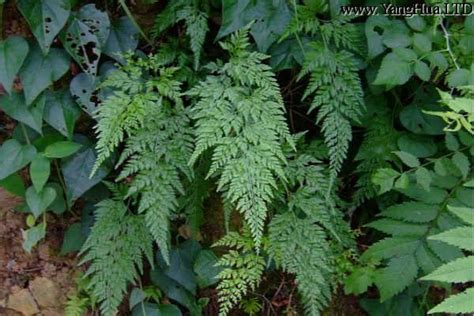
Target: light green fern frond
[
  {"x": 115, "y": 249},
  {"x": 240, "y": 115},
  {"x": 242, "y": 270},
  {"x": 76, "y": 306}
]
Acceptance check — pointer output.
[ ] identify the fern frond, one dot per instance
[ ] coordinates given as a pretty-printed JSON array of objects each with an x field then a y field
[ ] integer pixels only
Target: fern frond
[
  {"x": 76, "y": 305},
  {"x": 337, "y": 93},
  {"x": 115, "y": 249},
  {"x": 242, "y": 270},
  {"x": 240, "y": 115}
]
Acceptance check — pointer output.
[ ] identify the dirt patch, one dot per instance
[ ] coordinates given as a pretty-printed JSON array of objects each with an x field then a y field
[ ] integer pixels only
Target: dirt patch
[{"x": 36, "y": 282}]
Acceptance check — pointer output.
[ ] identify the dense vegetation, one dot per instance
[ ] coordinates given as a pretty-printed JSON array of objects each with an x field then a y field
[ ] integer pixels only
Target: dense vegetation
[{"x": 252, "y": 148}]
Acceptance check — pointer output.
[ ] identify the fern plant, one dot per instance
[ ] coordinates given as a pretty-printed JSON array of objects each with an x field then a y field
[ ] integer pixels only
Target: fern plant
[
  {"x": 195, "y": 17},
  {"x": 159, "y": 142},
  {"x": 115, "y": 249},
  {"x": 242, "y": 269},
  {"x": 240, "y": 116},
  {"x": 459, "y": 270},
  {"x": 334, "y": 83}
]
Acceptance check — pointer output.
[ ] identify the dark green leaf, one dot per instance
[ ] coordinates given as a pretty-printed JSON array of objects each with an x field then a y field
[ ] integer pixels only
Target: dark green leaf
[
  {"x": 374, "y": 38},
  {"x": 385, "y": 178},
  {"x": 393, "y": 71},
  {"x": 423, "y": 178},
  {"x": 76, "y": 171},
  {"x": 422, "y": 71},
  {"x": 396, "y": 35},
  {"x": 418, "y": 145},
  {"x": 206, "y": 269},
  {"x": 40, "y": 71},
  {"x": 416, "y": 22},
  {"x": 14, "y": 184},
  {"x": 40, "y": 170},
  {"x": 83, "y": 90},
  {"x": 13, "y": 52},
  {"x": 46, "y": 18},
  {"x": 14, "y": 156},
  {"x": 408, "y": 159},
  {"x": 123, "y": 37},
  {"x": 32, "y": 115},
  {"x": 61, "y": 112},
  {"x": 422, "y": 43},
  {"x": 61, "y": 149},
  {"x": 413, "y": 119},
  {"x": 73, "y": 239}
]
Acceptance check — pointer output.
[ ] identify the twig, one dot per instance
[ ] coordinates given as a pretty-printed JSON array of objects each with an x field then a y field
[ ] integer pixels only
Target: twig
[{"x": 448, "y": 45}]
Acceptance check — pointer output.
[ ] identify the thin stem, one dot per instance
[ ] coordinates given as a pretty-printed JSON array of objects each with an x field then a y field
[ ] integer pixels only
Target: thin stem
[
  {"x": 296, "y": 33},
  {"x": 63, "y": 184},
  {"x": 130, "y": 16},
  {"x": 448, "y": 45}
]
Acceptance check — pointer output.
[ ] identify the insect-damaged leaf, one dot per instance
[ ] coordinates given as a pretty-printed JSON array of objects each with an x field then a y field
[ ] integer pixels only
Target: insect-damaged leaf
[
  {"x": 86, "y": 36},
  {"x": 46, "y": 18}
]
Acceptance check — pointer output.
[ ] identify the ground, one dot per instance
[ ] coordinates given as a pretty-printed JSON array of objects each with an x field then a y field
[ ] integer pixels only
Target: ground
[{"x": 35, "y": 283}]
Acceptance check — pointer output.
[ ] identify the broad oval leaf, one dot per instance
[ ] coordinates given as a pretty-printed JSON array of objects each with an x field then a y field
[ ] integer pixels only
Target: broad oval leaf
[
  {"x": 46, "y": 18},
  {"x": 40, "y": 170},
  {"x": 13, "y": 52},
  {"x": 40, "y": 71},
  {"x": 61, "y": 149},
  {"x": 14, "y": 156}
]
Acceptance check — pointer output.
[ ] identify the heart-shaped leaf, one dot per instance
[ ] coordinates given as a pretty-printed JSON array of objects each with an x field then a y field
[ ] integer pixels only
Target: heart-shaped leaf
[
  {"x": 83, "y": 90},
  {"x": 15, "y": 106},
  {"x": 46, "y": 18},
  {"x": 85, "y": 37},
  {"x": 14, "y": 156},
  {"x": 61, "y": 112},
  {"x": 123, "y": 37},
  {"x": 40, "y": 71},
  {"x": 39, "y": 202},
  {"x": 61, "y": 149},
  {"x": 13, "y": 52},
  {"x": 32, "y": 236},
  {"x": 40, "y": 170}
]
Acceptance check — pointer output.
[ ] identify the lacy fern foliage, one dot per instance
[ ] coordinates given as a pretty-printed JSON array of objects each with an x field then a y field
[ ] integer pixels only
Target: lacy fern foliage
[{"x": 240, "y": 116}]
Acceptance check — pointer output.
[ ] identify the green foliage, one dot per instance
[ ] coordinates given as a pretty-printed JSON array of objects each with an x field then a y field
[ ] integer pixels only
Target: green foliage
[
  {"x": 242, "y": 269},
  {"x": 115, "y": 249},
  {"x": 239, "y": 115}
]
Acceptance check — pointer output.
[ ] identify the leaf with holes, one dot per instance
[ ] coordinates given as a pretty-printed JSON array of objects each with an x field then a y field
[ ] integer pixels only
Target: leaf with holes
[
  {"x": 40, "y": 71},
  {"x": 61, "y": 112},
  {"x": 13, "y": 52},
  {"x": 123, "y": 37},
  {"x": 83, "y": 90},
  {"x": 85, "y": 37},
  {"x": 46, "y": 18},
  {"x": 15, "y": 106}
]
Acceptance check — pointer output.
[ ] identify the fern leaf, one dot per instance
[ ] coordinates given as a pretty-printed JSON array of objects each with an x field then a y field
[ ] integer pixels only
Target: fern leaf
[
  {"x": 115, "y": 250},
  {"x": 76, "y": 306}
]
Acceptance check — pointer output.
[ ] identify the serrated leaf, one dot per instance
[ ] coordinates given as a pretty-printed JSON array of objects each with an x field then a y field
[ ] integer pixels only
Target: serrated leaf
[
  {"x": 397, "y": 35},
  {"x": 385, "y": 178},
  {"x": 444, "y": 251},
  {"x": 389, "y": 247},
  {"x": 408, "y": 159},
  {"x": 14, "y": 156},
  {"x": 38, "y": 71},
  {"x": 464, "y": 213},
  {"x": 393, "y": 71},
  {"x": 423, "y": 178},
  {"x": 46, "y": 18},
  {"x": 86, "y": 36},
  {"x": 402, "y": 182},
  {"x": 61, "y": 112},
  {"x": 415, "y": 212},
  {"x": 422, "y": 71},
  {"x": 462, "y": 163},
  {"x": 426, "y": 259},
  {"x": 39, "y": 202},
  {"x": 14, "y": 105},
  {"x": 359, "y": 280},
  {"x": 40, "y": 170},
  {"x": 457, "y": 271},
  {"x": 452, "y": 142},
  {"x": 13, "y": 52},
  {"x": 422, "y": 43},
  {"x": 398, "y": 228},
  {"x": 399, "y": 274},
  {"x": 123, "y": 38},
  {"x": 32, "y": 236},
  {"x": 61, "y": 149},
  {"x": 458, "y": 303},
  {"x": 462, "y": 237}
]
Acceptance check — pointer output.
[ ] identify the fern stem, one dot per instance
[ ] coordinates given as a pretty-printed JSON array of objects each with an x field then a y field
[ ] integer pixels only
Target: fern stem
[
  {"x": 130, "y": 16},
  {"x": 296, "y": 34}
]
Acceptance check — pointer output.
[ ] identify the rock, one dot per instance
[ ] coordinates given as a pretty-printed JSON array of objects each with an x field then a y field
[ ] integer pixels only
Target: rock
[
  {"x": 52, "y": 312},
  {"x": 23, "y": 302},
  {"x": 46, "y": 292}
]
